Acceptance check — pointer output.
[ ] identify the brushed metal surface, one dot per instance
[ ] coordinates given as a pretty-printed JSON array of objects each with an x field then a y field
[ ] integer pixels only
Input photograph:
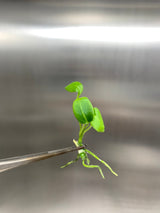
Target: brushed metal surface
[{"x": 113, "y": 48}]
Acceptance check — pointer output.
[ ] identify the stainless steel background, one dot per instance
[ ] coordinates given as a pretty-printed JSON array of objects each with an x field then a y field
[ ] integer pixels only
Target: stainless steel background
[{"x": 121, "y": 78}]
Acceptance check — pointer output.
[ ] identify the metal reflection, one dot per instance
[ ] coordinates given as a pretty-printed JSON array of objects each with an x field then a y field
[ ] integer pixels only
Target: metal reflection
[
  {"x": 113, "y": 34},
  {"x": 106, "y": 34}
]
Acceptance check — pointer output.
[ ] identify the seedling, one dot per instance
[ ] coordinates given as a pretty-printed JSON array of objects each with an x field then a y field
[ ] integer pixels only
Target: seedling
[{"x": 88, "y": 117}]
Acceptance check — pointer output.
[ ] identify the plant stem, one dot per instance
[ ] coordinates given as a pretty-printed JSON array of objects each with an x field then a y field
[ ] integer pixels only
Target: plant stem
[
  {"x": 83, "y": 129},
  {"x": 87, "y": 129}
]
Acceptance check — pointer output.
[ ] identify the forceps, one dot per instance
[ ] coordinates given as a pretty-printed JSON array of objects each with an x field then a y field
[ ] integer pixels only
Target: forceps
[{"x": 13, "y": 162}]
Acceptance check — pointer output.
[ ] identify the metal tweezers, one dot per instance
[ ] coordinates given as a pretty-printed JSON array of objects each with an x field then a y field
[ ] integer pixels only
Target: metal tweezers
[{"x": 13, "y": 162}]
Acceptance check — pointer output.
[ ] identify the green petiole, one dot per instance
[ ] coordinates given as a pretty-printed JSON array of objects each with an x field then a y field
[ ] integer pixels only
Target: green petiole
[{"x": 87, "y": 117}]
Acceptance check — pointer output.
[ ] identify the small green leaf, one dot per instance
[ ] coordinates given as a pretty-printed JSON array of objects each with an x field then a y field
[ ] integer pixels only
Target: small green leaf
[
  {"x": 83, "y": 110},
  {"x": 75, "y": 86},
  {"x": 97, "y": 122}
]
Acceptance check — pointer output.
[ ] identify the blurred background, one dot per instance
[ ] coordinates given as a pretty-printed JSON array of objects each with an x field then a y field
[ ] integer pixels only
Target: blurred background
[{"x": 113, "y": 48}]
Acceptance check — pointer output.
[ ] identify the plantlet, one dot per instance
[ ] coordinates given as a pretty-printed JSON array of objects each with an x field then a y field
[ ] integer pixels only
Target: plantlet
[{"x": 88, "y": 117}]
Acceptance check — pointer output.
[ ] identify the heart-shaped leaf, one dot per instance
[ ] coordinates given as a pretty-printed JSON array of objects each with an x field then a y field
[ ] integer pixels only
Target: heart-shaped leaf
[
  {"x": 75, "y": 86},
  {"x": 97, "y": 122},
  {"x": 83, "y": 110}
]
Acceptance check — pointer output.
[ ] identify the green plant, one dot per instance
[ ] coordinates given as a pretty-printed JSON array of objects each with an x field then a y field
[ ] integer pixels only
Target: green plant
[{"x": 88, "y": 117}]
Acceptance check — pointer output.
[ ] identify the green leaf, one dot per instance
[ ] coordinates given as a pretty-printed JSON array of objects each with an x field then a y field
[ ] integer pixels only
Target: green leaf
[
  {"x": 83, "y": 110},
  {"x": 75, "y": 86},
  {"x": 97, "y": 122}
]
